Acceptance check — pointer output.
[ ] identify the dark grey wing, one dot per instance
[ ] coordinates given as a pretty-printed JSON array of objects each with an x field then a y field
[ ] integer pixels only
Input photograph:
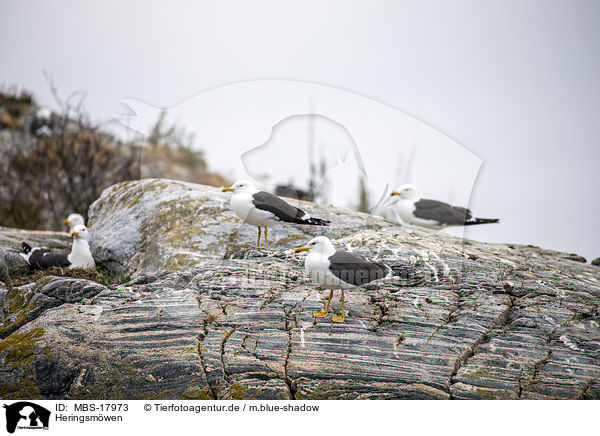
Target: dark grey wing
[
  {"x": 355, "y": 269},
  {"x": 441, "y": 212},
  {"x": 284, "y": 211},
  {"x": 45, "y": 258}
]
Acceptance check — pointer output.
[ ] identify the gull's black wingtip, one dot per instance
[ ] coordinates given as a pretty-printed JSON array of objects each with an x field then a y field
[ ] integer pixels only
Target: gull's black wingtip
[
  {"x": 482, "y": 221},
  {"x": 318, "y": 222}
]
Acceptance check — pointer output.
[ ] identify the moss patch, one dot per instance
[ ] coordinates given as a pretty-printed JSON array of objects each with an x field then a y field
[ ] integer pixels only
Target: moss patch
[
  {"x": 179, "y": 261},
  {"x": 24, "y": 303},
  {"x": 17, "y": 353},
  {"x": 493, "y": 394},
  {"x": 476, "y": 374},
  {"x": 237, "y": 391},
  {"x": 19, "y": 306},
  {"x": 197, "y": 394},
  {"x": 17, "y": 348}
]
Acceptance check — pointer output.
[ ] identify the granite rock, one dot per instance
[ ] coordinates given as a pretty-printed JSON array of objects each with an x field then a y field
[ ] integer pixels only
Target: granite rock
[{"x": 206, "y": 316}]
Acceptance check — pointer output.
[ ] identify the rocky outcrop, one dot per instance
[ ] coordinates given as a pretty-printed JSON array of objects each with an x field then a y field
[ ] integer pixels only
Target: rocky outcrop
[
  {"x": 203, "y": 315},
  {"x": 159, "y": 225}
]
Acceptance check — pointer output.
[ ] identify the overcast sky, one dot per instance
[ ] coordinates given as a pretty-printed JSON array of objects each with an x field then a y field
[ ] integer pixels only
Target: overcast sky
[{"x": 515, "y": 83}]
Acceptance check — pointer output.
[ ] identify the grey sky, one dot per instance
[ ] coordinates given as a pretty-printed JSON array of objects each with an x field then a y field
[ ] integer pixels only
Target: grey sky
[{"x": 514, "y": 82}]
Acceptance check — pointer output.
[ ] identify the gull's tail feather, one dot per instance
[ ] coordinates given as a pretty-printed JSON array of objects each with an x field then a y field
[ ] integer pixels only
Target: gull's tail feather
[{"x": 481, "y": 221}]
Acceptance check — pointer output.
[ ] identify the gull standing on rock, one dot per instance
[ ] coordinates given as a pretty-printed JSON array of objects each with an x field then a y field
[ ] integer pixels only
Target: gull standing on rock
[
  {"x": 79, "y": 257},
  {"x": 432, "y": 213},
  {"x": 263, "y": 209},
  {"x": 331, "y": 269}
]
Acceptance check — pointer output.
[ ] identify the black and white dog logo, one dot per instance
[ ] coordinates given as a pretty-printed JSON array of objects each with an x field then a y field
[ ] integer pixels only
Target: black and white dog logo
[{"x": 26, "y": 415}]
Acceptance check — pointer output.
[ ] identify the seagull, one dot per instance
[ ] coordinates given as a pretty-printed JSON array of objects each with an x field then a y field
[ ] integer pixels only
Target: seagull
[
  {"x": 74, "y": 220},
  {"x": 334, "y": 269},
  {"x": 432, "y": 213},
  {"x": 262, "y": 209},
  {"x": 79, "y": 257}
]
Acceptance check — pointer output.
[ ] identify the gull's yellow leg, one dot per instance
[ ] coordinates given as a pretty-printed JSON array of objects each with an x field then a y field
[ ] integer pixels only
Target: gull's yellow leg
[
  {"x": 258, "y": 240},
  {"x": 341, "y": 317},
  {"x": 324, "y": 314}
]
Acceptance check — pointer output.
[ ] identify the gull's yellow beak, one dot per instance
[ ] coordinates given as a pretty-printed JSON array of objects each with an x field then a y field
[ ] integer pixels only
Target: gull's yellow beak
[
  {"x": 300, "y": 249},
  {"x": 395, "y": 193},
  {"x": 66, "y": 221},
  {"x": 227, "y": 190},
  {"x": 74, "y": 233}
]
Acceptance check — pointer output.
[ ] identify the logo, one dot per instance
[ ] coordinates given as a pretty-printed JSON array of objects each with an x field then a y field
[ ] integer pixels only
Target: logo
[{"x": 26, "y": 415}]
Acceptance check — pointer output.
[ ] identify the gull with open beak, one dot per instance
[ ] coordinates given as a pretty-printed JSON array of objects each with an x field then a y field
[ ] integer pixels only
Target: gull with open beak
[
  {"x": 263, "y": 209},
  {"x": 335, "y": 269}
]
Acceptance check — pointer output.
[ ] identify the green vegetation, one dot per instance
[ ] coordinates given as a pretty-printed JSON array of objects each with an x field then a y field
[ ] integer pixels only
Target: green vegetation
[
  {"x": 17, "y": 353},
  {"x": 173, "y": 137}
]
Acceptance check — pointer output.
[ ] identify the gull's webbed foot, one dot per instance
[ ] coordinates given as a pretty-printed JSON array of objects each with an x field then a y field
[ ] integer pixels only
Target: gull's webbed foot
[
  {"x": 340, "y": 318},
  {"x": 326, "y": 311}
]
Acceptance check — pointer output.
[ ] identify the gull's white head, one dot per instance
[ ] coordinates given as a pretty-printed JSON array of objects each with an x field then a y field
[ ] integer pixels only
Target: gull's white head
[
  {"x": 80, "y": 232},
  {"x": 406, "y": 192},
  {"x": 241, "y": 186},
  {"x": 320, "y": 244},
  {"x": 74, "y": 220}
]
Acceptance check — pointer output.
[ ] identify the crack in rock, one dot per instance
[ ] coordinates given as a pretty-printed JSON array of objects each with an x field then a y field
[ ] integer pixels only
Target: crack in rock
[{"x": 500, "y": 321}]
